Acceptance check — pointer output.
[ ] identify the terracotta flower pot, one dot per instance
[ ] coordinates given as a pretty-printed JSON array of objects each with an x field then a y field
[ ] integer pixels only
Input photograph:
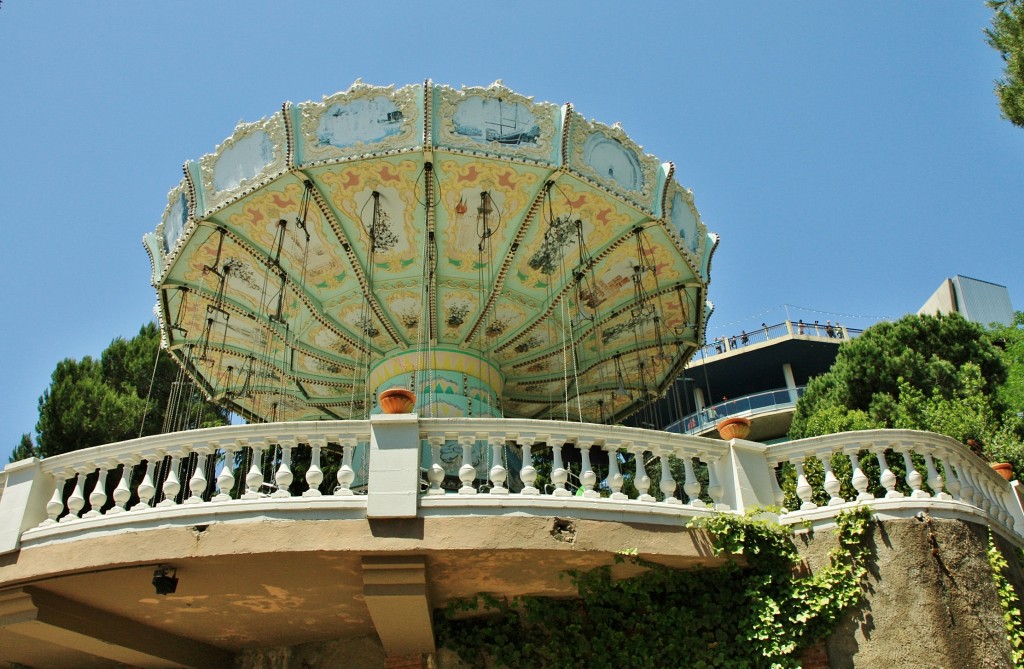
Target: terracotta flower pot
[
  {"x": 397, "y": 400},
  {"x": 1004, "y": 469},
  {"x": 736, "y": 427}
]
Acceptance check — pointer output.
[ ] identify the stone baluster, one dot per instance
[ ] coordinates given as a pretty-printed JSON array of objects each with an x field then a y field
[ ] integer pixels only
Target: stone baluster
[
  {"x": 436, "y": 472},
  {"x": 123, "y": 492},
  {"x": 887, "y": 478},
  {"x": 467, "y": 472},
  {"x": 1004, "y": 510},
  {"x": 254, "y": 477},
  {"x": 314, "y": 475},
  {"x": 283, "y": 477},
  {"x": 588, "y": 479},
  {"x": 691, "y": 486},
  {"x": 559, "y": 475},
  {"x": 197, "y": 482},
  {"x": 987, "y": 502},
  {"x": 934, "y": 479},
  {"x": 615, "y": 479},
  {"x": 667, "y": 484},
  {"x": 832, "y": 485},
  {"x": 528, "y": 473},
  {"x": 913, "y": 478},
  {"x": 76, "y": 501},
  {"x": 346, "y": 475},
  {"x": 970, "y": 492},
  {"x": 146, "y": 489},
  {"x": 858, "y": 479},
  {"x": 172, "y": 484},
  {"x": 98, "y": 496},
  {"x": 777, "y": 493},
  {"x": 55, "y": 506},
  {"x": 715, "y": 487},
  {"x": 995, "y": 494},
  {"x": 498, "y": 474},
  {"x": 954, "y": 472},
  {"x": 226, "y": 478},
  {"x": 803, "y": 488},
  {"x": 641, "y": 480},
  {"x": 982, "y": 489}
]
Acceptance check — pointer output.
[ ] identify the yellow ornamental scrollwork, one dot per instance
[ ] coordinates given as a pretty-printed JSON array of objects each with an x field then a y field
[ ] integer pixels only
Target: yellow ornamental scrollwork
[
  {"x": 509, "y": 192},
  {"x": 351, "y": 193}
]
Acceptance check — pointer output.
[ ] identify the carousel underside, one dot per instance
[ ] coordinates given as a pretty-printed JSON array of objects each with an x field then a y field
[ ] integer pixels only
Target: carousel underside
[{"x": 498, "y": 255}]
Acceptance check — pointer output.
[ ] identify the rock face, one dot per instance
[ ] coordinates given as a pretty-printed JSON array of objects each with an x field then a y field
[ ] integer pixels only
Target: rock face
[{"x": 931, "y": 601}]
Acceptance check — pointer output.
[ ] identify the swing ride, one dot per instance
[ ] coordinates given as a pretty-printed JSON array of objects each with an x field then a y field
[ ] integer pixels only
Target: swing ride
[{"x": 499, "y": 256}]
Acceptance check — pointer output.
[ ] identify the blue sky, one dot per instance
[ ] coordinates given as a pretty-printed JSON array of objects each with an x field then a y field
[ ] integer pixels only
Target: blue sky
[{"x": 849, "y": 154}]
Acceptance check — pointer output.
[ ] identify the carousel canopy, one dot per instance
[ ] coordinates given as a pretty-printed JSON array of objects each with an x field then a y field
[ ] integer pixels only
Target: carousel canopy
[{"x": 500, "y": 256}]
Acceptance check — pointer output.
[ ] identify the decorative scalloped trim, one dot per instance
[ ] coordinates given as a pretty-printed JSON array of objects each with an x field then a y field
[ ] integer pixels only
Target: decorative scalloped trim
[
  {"x": 580, "y": 130},
  {"x": 289, "y": 134},
  {"x": 314, "y": 153},
  {"x": 274, "y": 127},
  {"x": 448, "y": 100}
]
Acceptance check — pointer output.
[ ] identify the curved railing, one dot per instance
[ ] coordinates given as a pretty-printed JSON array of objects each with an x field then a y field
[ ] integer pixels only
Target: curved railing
[
  {"x": 405, "y": 466},
  {"x": 720, "y": 345},
  {"x": 747, "y": 405}
]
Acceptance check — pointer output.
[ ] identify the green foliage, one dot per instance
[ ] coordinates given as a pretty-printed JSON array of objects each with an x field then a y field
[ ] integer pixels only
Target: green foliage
[
  {"x": 91, "y": 402},
  {"x": 1007, "y": 37},
  {"x": 1010, "y": 601},
  {"x": 24, "y": 449},
  {"x": 937, "y": 373},
  {"x": 752, "y": 612},
  {"x": 1010, "y": 342},
  {"x": 80, "y": 409}
]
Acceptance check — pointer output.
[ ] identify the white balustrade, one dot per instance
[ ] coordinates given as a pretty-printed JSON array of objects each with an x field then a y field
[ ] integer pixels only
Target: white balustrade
[{"x": 915, "y": 470}]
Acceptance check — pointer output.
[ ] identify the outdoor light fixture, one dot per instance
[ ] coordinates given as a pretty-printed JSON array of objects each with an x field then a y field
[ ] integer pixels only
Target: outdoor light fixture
[{"x": 164, "y": 582}]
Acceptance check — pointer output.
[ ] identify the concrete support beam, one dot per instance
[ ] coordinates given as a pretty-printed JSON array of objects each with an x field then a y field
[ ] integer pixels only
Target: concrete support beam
[
  {"x": 787, "y": 371},
  {"x": 54, "y": 620},
  {"x": 394, "y": 477},
  {"x": 395, "y": 591}
]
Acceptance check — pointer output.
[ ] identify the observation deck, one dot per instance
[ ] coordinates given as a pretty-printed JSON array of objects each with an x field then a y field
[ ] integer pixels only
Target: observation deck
[
  {"x": 758, "y": 375},
  {"x": 374, "y": 549}
]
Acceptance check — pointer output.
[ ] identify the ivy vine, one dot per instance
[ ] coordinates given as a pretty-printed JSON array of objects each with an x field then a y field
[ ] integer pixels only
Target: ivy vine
[
  {"x": 1010, "y": 602},
  {"x": 755, "y": 611}
]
